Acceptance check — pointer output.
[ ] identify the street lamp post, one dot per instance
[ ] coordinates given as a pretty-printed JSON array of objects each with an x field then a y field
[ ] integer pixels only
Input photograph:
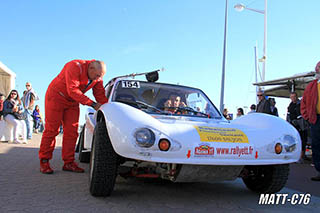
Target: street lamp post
[
  {"x": 241, "y": 7},
  {"x": 224, "y": 58},
  {"x": 256, "y": 71}
]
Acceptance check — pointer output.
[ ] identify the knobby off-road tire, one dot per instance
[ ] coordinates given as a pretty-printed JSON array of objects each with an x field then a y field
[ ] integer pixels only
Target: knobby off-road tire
[
  {"x": 103, "y": 163},
  {"x": 84, "y": 157},
  {"x": 266, "y": 179}
]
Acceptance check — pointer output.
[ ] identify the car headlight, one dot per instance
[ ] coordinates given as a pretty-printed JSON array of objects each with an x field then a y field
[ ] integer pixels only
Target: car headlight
[
  {"x": 289, "y": 143},
  {"x": 144, "y": 137}
]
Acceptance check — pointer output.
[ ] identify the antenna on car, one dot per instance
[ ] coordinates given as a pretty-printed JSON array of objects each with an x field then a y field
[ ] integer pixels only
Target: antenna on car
[{"x": 151, "y": 76}]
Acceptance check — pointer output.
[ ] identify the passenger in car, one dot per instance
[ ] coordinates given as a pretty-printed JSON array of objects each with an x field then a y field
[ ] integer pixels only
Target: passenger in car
[
  {"x": 173, "y": 103},
  {"x": 208, "y": 110}
]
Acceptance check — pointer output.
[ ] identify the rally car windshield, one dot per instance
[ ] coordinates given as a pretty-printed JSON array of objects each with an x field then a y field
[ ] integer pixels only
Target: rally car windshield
[{"x": 157, "y": 98}]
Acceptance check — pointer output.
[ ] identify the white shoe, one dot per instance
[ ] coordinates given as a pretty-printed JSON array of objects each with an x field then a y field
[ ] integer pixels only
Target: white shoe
[{"x": 16, "y": 142}]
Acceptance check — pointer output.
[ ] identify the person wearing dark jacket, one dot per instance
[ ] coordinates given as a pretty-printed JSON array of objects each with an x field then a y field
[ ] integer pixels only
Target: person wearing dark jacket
[
  {"x": 310, "y": 111},
  {"x": 36, "y": 118},
  {"x": 273, "y": 108},
  {"x": 293, "y": 116},
  {"x": 263, "y": 105}
]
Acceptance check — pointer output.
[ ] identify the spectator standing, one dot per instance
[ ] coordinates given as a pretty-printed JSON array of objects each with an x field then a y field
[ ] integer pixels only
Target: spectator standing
[
  {"x": 240, "y": 112},
  {"x": 293, "y": 116},
  {"x": 63, "y": 97},
  {"x": 41, "y": 128},
  {"x": 2, "y": 98},
  {"x": 12, "y": 111},
  {"x": 36, "y": 118},
  {"x": 226, "y": 114},
  {"x": 263, "y": 105},
  {"x": 28, "y": 99},
  {"x": 252, "y": 109},
  {"x": 310, "y": 111},
  {"x": 273, "y": 108}
]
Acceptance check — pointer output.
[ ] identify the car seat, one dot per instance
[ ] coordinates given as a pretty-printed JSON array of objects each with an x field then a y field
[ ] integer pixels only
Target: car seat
[
  {"x": 160, "y": 104},
  {"x": 148, "y": 96}
]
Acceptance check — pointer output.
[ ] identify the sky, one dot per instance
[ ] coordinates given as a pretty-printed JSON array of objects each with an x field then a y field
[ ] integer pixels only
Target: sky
[{"x": 183, "y": 36}]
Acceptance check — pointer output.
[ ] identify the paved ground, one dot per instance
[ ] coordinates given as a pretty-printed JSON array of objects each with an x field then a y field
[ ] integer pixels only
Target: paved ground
[{"x": 24, "y": 189}]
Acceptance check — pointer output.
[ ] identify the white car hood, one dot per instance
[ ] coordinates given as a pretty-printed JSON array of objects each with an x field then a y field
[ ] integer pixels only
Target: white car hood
[{"x": 188, "y": 133}]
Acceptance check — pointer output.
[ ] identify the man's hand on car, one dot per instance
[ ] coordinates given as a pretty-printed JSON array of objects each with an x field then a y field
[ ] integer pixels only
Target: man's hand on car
[{"x": 97, "y": 106}]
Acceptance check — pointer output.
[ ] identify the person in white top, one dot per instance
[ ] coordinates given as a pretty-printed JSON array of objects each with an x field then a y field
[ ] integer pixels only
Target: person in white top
[{"x": 13, "y": 114}]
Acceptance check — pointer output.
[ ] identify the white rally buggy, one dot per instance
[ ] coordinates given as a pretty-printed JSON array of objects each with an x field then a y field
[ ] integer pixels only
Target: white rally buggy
[{"x": 138, "y": 134}]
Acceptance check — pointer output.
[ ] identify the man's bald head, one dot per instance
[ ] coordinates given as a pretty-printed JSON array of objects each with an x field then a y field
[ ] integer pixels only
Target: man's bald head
[{"x": 96, "y": 69}]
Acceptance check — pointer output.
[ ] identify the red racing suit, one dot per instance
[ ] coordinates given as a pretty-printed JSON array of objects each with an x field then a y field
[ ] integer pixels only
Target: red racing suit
[
  {"x": 308, "y": 106},
  {"x": 62, "y": 100}
]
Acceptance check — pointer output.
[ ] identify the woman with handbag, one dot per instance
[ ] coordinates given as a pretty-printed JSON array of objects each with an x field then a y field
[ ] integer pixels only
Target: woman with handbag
[{"x": 13, "y": 113}]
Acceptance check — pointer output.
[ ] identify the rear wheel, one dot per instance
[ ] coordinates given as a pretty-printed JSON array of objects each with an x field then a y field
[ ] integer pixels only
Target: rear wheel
[
  {"x": 103, "y": 162},
  {"x": 266, "y": 179},
  {"x": 84, "y": 157}
]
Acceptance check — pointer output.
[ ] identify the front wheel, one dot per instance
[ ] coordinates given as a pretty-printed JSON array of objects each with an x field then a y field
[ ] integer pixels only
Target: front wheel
[
  {"x": 103, "y": 162},
  {"x": 266, "y": 179}
]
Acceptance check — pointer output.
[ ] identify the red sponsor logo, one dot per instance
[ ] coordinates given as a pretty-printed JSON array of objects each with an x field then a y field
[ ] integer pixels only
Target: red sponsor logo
[{"x": 204, "y": 150}]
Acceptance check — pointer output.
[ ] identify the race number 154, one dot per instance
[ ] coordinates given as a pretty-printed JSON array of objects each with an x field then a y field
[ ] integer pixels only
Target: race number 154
[{"x": 130, "y": 84}]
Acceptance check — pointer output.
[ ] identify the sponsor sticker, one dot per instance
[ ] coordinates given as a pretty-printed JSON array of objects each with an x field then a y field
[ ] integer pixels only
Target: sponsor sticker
[
  {"x": 235, "y": 151},
  {"x": 226, "y": 135},
  {"x": 203, "y": 150},
  {"x": 130, "y": 84}
]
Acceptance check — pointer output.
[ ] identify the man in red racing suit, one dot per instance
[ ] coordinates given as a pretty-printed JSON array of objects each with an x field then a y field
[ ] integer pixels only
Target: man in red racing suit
[{"x": 62, "y": 100}]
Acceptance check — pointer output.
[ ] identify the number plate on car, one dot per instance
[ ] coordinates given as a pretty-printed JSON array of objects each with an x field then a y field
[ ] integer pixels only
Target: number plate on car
[{"x": 130, "y": 84}]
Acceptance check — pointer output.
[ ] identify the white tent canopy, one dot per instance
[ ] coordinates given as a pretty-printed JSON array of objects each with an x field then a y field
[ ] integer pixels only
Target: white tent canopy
[{"x": 7, "y": 79}]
